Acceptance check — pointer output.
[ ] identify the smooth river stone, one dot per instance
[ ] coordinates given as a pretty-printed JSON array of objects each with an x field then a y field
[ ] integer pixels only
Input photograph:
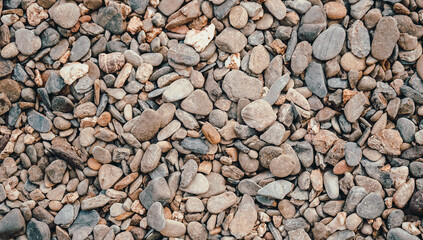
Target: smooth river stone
[{"x": 329, "y": 43}]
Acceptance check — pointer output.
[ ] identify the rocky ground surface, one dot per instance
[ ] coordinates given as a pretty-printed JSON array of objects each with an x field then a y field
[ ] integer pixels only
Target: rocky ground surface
[{"x": 211, "y": 119}]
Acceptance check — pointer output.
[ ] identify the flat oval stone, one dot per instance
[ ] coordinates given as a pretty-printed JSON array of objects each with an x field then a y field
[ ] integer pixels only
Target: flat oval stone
[
  {"x": 354, "y": 107},
  {"x": 221, "y": 202},
  {"x": 371, "y": 206},
  {"x": 147, "y": 125},
  {"x": 315, "y": 79},
  {"x": 359, "y": 39},
  {"x": 353, "y": 154},
  {"x": 183, "y": 54},
  {"x": 407, "y": 129},
  {"x": 385, "y": 38},
  {"x": 301, "y": 57},
  {"x": 65, "y": 215},
  {"x": 150, "y": 158},
  {"x": 195, "y": 145},
  {"x": 329, "y": 43},
  {"x": 80, "y": 48},
  {"x": 39, "y": 122}
]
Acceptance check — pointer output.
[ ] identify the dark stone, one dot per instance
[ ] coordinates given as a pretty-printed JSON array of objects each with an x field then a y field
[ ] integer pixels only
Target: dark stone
[
  {"x": 19, "y": 73},
  {"x": 80, "y": 48},
  {"x": 49, "y": 38},
  {"x": 42, "y": 92},
  {"x": 14, "y": 113},
  {"x": 110, "y": 18},
  {"x": 395, "y": 219},
  {"x": 413, "y": 153},
  {"x": 220, "y": 11},
  {"x": 315, "y": 79},
  {"x": 62, "y": 104},
  {"x": 416, "y": 203},
  {"x": 84, "y": 224},
  {"x": 156, "y": 191},
  {"x": 12, "y": 225},
  {"x": 138, "y": 6},
  {"x": 37, "y": 230},
  {"x": 195, "y": 145},
  {"x": 55, "y": 83},
  {"x": 39, "y": 122}
]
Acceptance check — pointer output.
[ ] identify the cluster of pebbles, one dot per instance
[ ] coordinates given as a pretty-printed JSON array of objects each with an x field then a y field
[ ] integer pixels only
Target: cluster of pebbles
[{"x": 211, "y": 119}]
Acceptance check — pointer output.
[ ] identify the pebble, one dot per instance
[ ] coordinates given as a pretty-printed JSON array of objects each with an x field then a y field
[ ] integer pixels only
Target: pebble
[
  {"x": 353, "y": 154},
  {"x": 301, "y": 57},
  {"x": 231, "y": 40},
  {"x": 259, "y": 59},
  {"x": 330, "y": 181},
  {"x": 244, "y": 219},
  {"x": 360, "y": 8},
  {"x": 27, "y": 42},
  {"x": 80, "y": 48},
  {"x": 258, "y": 115},
  {"x": 64, "y": 14},
  {"x": 277, "y": 189},
  {"x": 197, "y": 231},
  {"x": 108, "y": 175},
  {"x": 387, "y": 141},
  {"x": 73, "y": 71},
  {"x": 398, "y": 233},
  {"x": 359, "y": 38},
  {"x": 5, "y": 104},
  {"x": 150, "y": 158},
  {"x": 198, "y": 102},
  {"x": 282, "y": 166},
  {"x": 84, "y": 224},
  {"x": 173, "y": 229},
  {"x": 147, "y": 125},
  {"x": 406, "y": 129},
  {"x": 110, "y": 18},
  {"x": 65, "y": 216},
  {"x": 156, "y": 217},
  {"x": 180, "y": 89},
  {"x": 329, "y": 43},
  {"x": 276, "y": 8},
  {"x": 183, "y": 54},
  {"x": 221, "y": 202},
  {"x": 37, "y": 230},
  {"x": 335, "y": 10},
  {"x": 371, "y": 206},
  {"x": 195, "y": 145},
  {"x": 354, "y": 107},
  {"x": 156, "y": 191},
  {"x": 198, "y": 185},
  {"x": 95, "y": 202},
  {"x": 12, "y": 224},
  {"x": 237, "y": 85},
  {"x": 315, "y": 79},
  {"x": 385, "y": 38},
  {"x": 39, "y": 122}
]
